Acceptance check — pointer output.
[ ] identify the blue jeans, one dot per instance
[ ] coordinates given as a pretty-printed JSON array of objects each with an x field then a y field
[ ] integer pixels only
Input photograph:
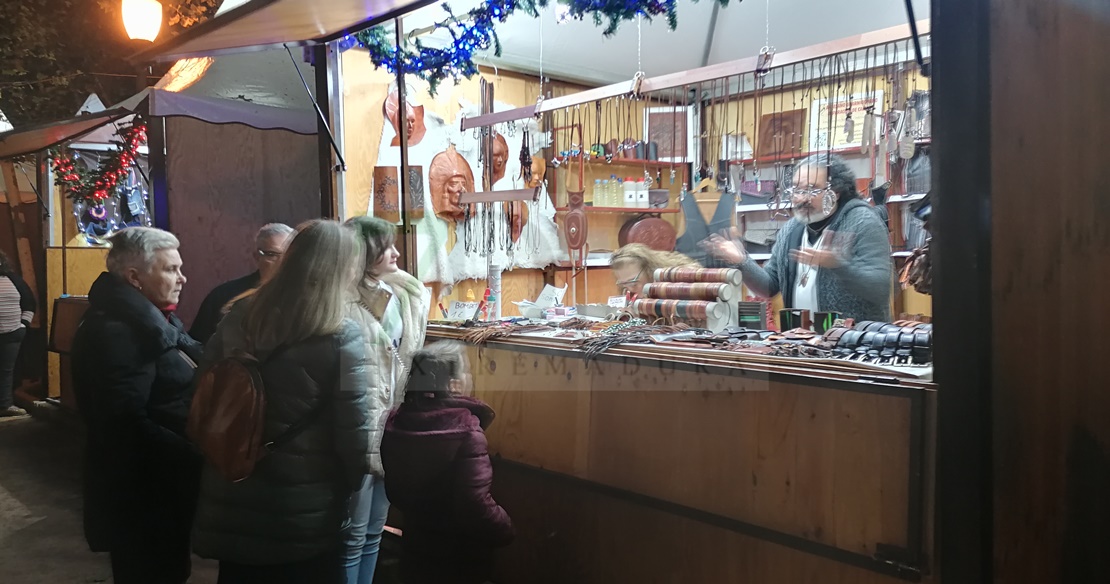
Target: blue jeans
[{"x": 363, "y": 536}]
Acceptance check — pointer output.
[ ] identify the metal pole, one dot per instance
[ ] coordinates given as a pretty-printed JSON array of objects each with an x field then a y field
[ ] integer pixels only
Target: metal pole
[{"x": 407, "y": 231}]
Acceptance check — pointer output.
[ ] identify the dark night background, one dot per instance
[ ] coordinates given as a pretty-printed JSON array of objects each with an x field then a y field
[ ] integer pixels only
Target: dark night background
[{"x": 54, "y": 53}]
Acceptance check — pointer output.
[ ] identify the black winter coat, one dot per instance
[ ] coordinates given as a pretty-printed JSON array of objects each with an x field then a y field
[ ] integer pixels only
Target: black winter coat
[
  {"x": 293, "y": 507},
  {"x": 132, "y": 370}
]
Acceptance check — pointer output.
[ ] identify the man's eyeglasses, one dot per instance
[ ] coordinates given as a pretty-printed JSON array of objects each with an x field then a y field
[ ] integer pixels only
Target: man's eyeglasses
[
  {"x": 809, "y": 192},
  {"x": 270, "y": 255}
]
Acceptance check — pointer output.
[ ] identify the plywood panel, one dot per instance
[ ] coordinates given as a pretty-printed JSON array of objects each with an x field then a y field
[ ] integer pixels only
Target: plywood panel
[
  {"x": 83, "y": 265},
  {"x": 224, "y": 183},
  {"x": 542, "y": 406},
  {"x": 826, "y": 465},
  {"x": 566, "y": 533},
  {"x": 595, "y": 285}
]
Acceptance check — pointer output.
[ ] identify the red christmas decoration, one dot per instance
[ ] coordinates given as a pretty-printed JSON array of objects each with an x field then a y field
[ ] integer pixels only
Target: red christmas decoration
[{"x": 94, "y": 187}]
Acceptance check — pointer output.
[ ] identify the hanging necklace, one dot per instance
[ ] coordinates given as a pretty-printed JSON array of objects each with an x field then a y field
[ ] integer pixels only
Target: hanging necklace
[{"x": 807, "y": 269}]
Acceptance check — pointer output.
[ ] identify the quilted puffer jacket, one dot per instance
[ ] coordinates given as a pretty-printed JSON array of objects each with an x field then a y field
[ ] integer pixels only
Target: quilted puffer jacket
[
  {"x": 388, "y": 371},
  {"x": 438, "y": 475},
  {"x": 294, "y": 506}
]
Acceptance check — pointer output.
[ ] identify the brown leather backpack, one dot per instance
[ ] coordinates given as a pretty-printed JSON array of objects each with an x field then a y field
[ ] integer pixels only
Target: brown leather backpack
[{"x": 227, "y": 416}]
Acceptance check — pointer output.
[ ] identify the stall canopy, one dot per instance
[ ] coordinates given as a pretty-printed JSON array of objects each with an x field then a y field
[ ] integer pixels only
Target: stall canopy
[
  {"x": 41, "y": 137},
  {"x": 271, "y": 23},
  {"x": 261, "y": 89}
]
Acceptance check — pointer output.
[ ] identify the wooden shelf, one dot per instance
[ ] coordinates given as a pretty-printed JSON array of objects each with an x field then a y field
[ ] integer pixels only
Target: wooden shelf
[{"x": 629, "y": 210}]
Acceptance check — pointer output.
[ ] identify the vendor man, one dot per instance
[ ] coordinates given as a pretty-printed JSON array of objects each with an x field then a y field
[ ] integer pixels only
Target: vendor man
[{"x": 834, "y": 255}]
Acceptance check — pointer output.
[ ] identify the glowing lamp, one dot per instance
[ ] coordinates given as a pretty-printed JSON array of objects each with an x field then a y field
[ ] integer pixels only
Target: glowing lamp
[{"x": 142, "y": 19}]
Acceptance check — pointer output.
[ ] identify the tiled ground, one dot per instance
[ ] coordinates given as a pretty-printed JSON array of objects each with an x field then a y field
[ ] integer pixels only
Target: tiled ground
[{"x": 41, "y": 539}]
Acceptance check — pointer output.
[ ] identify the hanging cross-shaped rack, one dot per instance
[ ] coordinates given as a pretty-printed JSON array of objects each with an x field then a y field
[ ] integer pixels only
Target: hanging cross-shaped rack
[
  {"x": 700, "y": 75},
  {"x": 488, "y": 195}
]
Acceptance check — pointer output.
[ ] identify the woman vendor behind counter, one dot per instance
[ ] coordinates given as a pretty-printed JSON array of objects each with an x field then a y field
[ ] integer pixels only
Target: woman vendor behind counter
[{"x": 634, "y": 265}]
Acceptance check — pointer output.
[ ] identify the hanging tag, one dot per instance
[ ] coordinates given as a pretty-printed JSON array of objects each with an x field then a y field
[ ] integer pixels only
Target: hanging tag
[
  {"x": 763, "y": 63},
  {"x": 850, "y": 128}
]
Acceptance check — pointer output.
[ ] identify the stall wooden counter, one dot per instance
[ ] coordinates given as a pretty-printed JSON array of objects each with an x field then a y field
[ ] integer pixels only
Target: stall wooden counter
[{"x": 673, "y": 465}]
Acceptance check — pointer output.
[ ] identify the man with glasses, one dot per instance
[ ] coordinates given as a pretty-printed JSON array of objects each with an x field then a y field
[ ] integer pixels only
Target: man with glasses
[
  {"x": 834, "y": 255},
  {"x": 269, "y": 245}
]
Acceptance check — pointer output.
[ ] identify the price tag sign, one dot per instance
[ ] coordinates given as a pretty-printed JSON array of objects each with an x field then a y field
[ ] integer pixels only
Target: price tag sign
[
  {"x": 462, "y": 310},
  {"x": 618, "y": 301}
]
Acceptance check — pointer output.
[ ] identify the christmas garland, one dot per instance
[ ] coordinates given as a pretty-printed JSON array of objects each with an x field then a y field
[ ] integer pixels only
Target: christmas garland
[
  {"x": 475, "y": 32},
  {"x": 95, "y": 186}
]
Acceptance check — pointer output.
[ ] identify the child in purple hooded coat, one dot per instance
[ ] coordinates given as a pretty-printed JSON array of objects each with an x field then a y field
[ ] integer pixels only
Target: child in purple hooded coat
[{"x": 438, "y": 473}]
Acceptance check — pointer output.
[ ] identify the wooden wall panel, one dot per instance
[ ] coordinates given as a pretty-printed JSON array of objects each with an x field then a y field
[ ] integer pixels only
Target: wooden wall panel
[
  {"x": 1049, "y": 247},
  {"x": 542, "y": 405},
  {"x": 567, "y": 533},
  {"x": 224, "y": 183},
  {"x": 754, "y": 457},
  {"x": 825, "y": 465},
  {"x": 595, "y": 286}
]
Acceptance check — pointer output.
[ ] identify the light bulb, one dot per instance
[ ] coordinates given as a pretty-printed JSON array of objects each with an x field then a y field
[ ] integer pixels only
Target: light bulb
[{"x": 142, "y": 19}]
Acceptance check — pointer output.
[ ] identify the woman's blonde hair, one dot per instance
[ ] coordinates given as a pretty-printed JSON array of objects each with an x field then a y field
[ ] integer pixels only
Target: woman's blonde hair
[
  {"x": 649, "y": 260},
  {"x": 311, "y": 292}
]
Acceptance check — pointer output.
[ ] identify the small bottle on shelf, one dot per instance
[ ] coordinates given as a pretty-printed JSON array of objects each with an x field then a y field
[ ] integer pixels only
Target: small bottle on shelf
[
  {"x": 629, "y": 192},
  {"x": 641, "y": 193},
  {"x": 599, "y": 194}
]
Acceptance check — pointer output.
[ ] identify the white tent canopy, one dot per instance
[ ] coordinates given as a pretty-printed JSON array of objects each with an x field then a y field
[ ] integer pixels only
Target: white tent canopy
[
  {"x": 707, "y": 34},
  {"x": 260, "y": 89}
]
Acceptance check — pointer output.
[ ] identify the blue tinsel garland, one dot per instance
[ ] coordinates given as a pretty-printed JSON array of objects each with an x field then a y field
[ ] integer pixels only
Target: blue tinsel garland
[{"x": 474, "y": 32}]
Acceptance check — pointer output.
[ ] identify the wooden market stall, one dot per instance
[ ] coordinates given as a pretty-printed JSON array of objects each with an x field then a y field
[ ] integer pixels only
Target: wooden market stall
[
  {"x": 666, "y": 465},
  {"x": 647, "y": 464}
]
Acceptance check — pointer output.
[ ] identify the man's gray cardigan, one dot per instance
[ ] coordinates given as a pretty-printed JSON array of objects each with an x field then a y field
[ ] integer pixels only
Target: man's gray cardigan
[{"x": 859, "y": 289}]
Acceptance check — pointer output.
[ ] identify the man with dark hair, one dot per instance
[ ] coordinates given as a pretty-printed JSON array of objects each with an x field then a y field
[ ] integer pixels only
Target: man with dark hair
[
  {"x": 269, "y": 245},
  {"x": 834, "y": 255}
]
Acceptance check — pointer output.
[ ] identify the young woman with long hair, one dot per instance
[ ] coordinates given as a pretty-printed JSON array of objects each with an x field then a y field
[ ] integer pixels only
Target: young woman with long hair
[{"x": 283, "y": 524}]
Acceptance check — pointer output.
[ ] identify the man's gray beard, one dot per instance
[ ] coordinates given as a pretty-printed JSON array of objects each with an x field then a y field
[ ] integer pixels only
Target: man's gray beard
[{"x": 808, "y": 215}]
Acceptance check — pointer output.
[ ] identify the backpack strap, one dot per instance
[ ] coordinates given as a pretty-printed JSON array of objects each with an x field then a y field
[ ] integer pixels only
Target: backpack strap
[{"x": 299, "y": 426}]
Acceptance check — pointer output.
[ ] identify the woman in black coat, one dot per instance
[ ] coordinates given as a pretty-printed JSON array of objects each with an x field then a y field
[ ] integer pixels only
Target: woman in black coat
[
  {"x": 133, "y": 367},
  {"x": 283, "y": 524}
]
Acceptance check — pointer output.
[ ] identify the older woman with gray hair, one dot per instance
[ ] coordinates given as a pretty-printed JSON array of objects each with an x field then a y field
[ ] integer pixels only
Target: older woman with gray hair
[{"x": 133, "y": 367}]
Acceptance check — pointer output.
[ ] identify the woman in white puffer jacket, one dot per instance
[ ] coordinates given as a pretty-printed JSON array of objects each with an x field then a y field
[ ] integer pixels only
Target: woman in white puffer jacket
[{"x": 393, "y": 310}]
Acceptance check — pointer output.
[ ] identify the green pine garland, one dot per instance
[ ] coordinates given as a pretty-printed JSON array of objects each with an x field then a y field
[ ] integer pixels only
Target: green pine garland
[{"x": 474, "y": 32}]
